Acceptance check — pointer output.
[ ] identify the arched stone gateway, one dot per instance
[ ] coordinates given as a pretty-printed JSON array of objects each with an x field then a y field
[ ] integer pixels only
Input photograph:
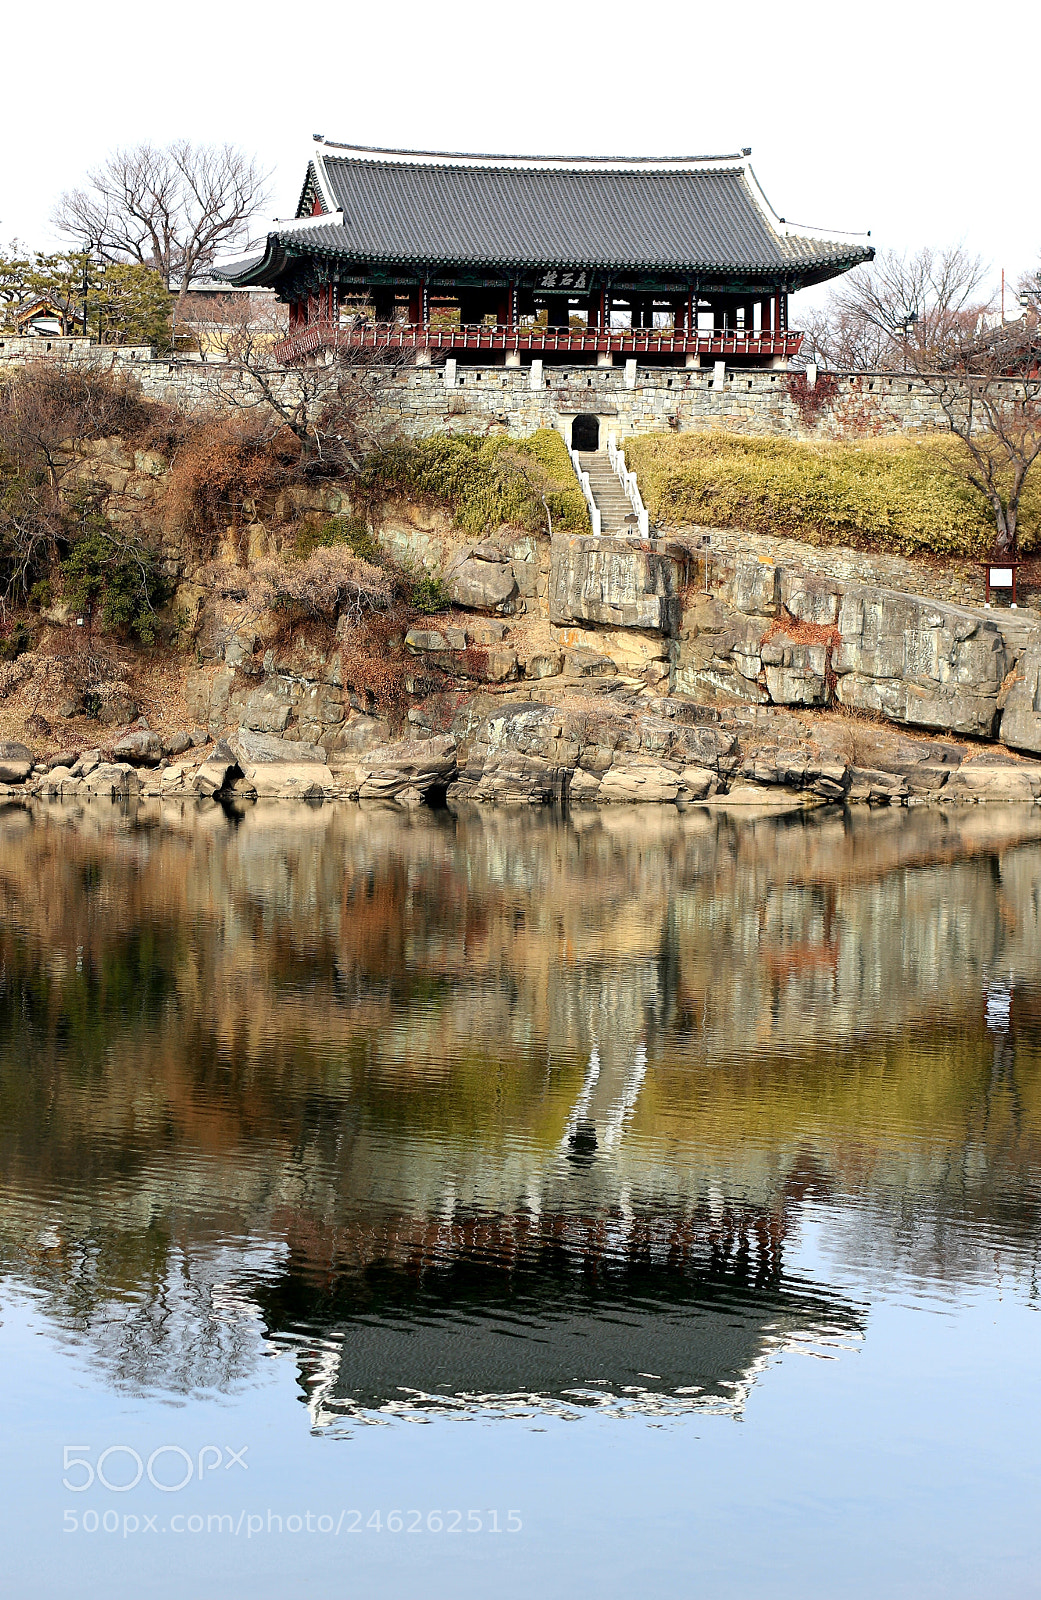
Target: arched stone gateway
[{"x": 585, "y": 432}]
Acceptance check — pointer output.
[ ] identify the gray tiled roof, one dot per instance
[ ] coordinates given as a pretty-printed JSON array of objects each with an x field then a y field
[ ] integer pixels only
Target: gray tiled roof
[
  {"x": 563, "y": 217},
  {"x": 503, "y": 212}
]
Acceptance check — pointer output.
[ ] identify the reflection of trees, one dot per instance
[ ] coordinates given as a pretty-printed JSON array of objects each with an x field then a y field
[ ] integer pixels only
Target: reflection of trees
[
  {"x": 320, "y": 1025},
  {"x": 154, "y": 1314}
]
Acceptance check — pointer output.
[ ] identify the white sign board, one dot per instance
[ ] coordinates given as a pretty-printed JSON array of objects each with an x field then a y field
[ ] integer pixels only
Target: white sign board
[{"x": 1001, "y": 577}]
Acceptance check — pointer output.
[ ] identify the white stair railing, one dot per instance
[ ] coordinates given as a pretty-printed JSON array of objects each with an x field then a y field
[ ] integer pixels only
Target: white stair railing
[
  {"x": 583, "y": 479},
  {"x": 628, "y": 482}
]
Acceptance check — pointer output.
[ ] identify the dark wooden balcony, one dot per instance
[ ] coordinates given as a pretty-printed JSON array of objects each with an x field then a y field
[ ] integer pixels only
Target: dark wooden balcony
[{"x": 625, "y": 344}]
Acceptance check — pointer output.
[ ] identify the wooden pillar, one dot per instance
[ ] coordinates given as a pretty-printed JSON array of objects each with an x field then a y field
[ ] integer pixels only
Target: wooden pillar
[{"x": 414, "y": 314}]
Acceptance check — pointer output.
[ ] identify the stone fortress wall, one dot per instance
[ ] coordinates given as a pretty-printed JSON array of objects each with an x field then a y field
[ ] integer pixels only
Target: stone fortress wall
[{"x": 626, "y": 399}]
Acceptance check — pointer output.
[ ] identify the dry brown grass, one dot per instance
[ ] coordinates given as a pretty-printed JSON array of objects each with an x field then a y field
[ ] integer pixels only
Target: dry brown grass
[{"x": 225, "y": 473}]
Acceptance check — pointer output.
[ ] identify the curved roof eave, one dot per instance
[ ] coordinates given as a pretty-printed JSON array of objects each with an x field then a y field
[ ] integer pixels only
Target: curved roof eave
[
  {"x": 288, "y": 247},
  {"x": 259, "y": 271}
]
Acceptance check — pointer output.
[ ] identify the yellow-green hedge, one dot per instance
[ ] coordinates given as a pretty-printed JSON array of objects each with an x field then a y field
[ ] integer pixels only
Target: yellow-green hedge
[
  {"x": 487, "y": 483},
  {"x": 883, "y": 494}
]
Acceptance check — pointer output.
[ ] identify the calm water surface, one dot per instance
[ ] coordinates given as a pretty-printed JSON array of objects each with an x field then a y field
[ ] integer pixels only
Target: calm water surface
[{"x": 480, "y": 1204}]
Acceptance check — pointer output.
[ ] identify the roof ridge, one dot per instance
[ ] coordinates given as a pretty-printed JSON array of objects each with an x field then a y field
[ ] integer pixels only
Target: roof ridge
[{"x": 493, "y": 159}]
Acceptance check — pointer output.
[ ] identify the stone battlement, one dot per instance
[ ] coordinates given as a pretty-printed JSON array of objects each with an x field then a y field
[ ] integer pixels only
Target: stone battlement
[{"x": 625, "y": 399}]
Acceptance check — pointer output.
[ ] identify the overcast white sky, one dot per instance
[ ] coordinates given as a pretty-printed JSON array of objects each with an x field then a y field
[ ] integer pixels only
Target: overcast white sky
[{"x": 915, "y": 120}]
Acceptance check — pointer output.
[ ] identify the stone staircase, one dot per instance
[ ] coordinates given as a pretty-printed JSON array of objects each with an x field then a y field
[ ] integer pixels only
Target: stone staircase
[{"x": 611, "y": 499}]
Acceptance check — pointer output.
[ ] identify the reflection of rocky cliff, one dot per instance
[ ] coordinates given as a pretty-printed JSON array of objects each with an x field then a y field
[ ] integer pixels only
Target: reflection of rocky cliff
[{"x": 345, "y": 1033}]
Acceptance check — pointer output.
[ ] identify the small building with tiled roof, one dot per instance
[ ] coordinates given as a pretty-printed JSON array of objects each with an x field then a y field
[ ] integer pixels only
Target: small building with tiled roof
[{"x": 491, "y": 257}]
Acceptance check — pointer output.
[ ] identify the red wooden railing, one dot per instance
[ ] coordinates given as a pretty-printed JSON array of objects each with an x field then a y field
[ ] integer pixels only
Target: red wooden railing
[{"x": 720, "y": 343}]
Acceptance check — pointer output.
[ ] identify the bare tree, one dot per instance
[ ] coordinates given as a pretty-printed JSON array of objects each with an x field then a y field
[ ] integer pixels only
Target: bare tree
[
  {"x": 901, "y": 311},
  {"x": 172, "y": 209},
  {"x": 989, "y": 388},
  {"x": 338, "y": 406}
]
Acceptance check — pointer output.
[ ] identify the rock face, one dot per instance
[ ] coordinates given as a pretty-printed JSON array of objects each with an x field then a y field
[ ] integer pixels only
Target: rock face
[
  {"x": 532, "y": 754},
  {"x": 1021, "y": 718},
  {"x": 783, "y": 637},
  {"x": 16, "y": 763},
  {"x": 928, "y": 665},
  {"x": 116, "y": 780},
  {"x": 481, "y": 578},
  {"x": 613, "y": 583}
]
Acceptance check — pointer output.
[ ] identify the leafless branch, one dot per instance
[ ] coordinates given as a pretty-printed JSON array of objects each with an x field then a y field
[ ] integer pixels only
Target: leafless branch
[
  {"x": 900, "y": 311},
  {"x": 172, "y": 209}
]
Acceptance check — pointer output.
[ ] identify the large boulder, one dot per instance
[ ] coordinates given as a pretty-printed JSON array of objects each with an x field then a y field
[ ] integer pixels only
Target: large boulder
[
  {"x": 217, "y": 771},
  {"x": 58, "y": 781},
  {"x": 115, "y": 780},
  {"x": 283, "y": 769},
  {"x": 264, "y": 749},
  {"x": 504, "y": 777},
  {"x": 16, "y": 762},
  {"x": 414, "y": 767},
  {"x": 113, "y": 704},
  {"x": 637, "y": 779},
  {"x": 480, "y": 578},
  {"x": 981, "y": 779},
  {"x": 139, "y": 747},
  {"x": 358, "y": 734}
]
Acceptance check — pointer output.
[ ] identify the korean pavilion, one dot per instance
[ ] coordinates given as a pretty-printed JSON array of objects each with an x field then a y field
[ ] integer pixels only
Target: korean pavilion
[{"x": 501, "y": 259}]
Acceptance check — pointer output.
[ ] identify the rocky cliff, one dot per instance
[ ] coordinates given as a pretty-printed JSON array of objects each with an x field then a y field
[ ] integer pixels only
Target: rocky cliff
[{"x": 615, "y": 669}]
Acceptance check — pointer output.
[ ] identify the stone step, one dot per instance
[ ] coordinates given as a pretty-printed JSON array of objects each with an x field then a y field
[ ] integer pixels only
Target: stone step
[{"x": 611, "y": 499}]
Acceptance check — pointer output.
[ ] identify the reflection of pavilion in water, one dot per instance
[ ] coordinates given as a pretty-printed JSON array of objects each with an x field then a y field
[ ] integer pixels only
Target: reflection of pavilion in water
[
  {"x": 549, "y": 1085},
  {"x": 584, "y": 1296}
]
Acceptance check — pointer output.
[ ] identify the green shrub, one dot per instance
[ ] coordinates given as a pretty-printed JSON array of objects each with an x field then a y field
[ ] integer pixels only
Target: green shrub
[
  {"x": 425, "y": 591},
  {"x": 350, "y": 531},
  {"x": 119, "y": 581},
  {"x": 486, "y": 483},
  {"x": 15, "y": 641},
  {"x": 883, "y": 494}
]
